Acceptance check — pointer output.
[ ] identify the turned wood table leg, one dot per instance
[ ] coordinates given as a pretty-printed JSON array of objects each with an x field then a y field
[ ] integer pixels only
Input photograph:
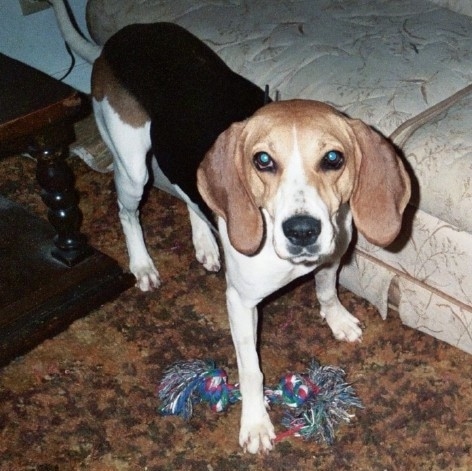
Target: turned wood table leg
[{"x": 58, "y": 193}]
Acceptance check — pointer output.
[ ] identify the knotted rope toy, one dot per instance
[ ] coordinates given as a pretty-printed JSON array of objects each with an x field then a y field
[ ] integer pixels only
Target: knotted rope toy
[{"x": 316, "y": 402}]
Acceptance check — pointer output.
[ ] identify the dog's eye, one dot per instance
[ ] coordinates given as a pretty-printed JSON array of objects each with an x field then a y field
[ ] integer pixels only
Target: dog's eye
[
  {"x": 332, "y": 160},
  {"x": 264, "y": 162}
]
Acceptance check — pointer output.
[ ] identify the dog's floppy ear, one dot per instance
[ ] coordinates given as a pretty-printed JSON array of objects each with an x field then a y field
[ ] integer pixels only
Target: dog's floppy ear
[
  {"x": 225, "y": 189},
  {"x": 382, "y": 188}
]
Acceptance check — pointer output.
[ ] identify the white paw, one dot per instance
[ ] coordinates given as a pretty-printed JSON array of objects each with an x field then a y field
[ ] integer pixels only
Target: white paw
[
  {"x": 207, "y": 252},
  {"x": 147, "y": 278},
  {"x": 344, "y": 325},
  {"x": 257, "y": 435}
]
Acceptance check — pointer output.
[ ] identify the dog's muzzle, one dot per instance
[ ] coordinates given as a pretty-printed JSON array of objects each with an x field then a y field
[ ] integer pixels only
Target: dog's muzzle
[{"x": 302, "y": 232}]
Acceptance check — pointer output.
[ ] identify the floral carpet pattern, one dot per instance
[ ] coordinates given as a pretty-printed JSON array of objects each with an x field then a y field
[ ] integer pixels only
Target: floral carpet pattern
[{"x": 86, "y": 399}]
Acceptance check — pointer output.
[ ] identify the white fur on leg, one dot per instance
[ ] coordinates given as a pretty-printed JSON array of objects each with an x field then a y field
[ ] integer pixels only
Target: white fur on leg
[
  {"x": 342, "y": 323},
  {"x": 206, "y": 248},
  {"x": 129, "y": 146},
  {"x": 257, "y": 432},
  {"x": 140, "y": 263}
]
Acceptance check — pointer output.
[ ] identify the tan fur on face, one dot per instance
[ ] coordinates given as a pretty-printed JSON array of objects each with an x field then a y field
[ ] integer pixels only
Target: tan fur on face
[
  {"x": 317, "y": 130},
  {"x": 372, "y": 178},
  {"x": 106, "y": 85}
]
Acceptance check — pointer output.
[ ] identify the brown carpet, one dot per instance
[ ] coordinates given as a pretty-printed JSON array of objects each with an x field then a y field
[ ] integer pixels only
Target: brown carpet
[{"x": 86, "y": 399}]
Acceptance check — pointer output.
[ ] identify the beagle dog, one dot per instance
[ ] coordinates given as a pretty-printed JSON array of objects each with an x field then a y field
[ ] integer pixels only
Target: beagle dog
[{"x": 280, "y": 183}]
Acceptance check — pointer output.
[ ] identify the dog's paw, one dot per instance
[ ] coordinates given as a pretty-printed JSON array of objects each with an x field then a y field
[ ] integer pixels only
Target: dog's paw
[
  {"x": 343, "y": 325},
  {"x": 209, "y": 262},
  {"x": 147, "y": 278},
  {"x": 257, "y": 435},
  {"x": 207, "y": 253}
]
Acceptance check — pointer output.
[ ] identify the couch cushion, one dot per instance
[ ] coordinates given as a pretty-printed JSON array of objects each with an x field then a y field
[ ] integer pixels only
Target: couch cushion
[
  {"x": 461, "y": 6},
  {"x": 441, "y": 154},
  {"x": 379, "y": 60},
  {"x": 430, "y": 251},
  {"x": 432, "y": 279}
]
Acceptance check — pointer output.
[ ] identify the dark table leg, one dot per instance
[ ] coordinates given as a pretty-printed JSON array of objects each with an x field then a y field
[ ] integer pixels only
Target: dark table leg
[{"x": 58, "y": 193}]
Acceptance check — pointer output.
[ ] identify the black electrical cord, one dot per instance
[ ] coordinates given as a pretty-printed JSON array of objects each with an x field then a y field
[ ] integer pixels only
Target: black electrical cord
[
  {"x": 72, "y": 62},
  {"x": 71, "y": 55}
]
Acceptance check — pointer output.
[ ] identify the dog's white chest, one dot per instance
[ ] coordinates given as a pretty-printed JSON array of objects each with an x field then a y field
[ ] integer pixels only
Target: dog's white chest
[{"x": 262, "y": 274}]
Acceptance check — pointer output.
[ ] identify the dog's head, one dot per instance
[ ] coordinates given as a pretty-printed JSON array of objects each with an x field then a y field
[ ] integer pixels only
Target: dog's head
[{"x": 300, "y": 161}]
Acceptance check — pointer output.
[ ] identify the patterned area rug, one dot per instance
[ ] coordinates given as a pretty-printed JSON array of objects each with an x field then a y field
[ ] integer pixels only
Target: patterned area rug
[{"x": 86, "y": 399}]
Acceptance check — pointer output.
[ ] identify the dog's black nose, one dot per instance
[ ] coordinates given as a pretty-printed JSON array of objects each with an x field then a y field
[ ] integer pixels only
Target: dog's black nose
[{"x": 302, "y": 230}]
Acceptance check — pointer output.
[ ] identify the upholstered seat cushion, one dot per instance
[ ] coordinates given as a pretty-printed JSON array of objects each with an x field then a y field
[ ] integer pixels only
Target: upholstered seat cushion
[
  {"x": 441, "y": 154},
  {"x": 379, "y": 60}
]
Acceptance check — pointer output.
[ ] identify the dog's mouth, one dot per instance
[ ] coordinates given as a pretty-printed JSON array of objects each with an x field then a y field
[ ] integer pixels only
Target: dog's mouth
[
  {"x": 296, "y": 254},
  {"x": 302, "y": 255}
]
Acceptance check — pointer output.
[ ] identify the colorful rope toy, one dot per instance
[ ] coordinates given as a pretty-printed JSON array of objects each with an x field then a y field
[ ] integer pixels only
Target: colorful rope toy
[{"x": 316, "y": 401}]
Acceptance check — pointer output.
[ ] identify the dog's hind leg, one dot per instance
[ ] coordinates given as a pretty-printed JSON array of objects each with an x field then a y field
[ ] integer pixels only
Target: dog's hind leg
[
  {"x": 129, "y": 146},
  {"x": 206, "y": 248}
]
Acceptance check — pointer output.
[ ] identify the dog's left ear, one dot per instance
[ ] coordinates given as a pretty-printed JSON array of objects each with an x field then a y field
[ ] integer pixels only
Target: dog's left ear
[
  {"x": 225, "y": 189},
  {"x": 382, "y": 188}
]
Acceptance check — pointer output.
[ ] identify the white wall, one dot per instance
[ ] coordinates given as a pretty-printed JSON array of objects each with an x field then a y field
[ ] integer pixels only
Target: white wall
[{"x": 35, "y": 39}]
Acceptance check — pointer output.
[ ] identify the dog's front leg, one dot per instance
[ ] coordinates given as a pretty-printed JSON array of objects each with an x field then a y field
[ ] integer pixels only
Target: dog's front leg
[
  {"x": 256, "y": 432},
  {"x": 343, "y": 324},
  {"x": 206, "y": 247}
]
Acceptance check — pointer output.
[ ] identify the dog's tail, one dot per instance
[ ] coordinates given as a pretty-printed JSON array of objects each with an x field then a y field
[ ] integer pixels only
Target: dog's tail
[{"x": 81, "y": 46}]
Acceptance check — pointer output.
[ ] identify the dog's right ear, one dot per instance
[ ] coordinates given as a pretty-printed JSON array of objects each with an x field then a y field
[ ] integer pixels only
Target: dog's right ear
[{"x": 225, "y": 189}]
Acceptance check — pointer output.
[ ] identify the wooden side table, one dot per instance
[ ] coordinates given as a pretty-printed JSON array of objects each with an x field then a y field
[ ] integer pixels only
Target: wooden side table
[{"x": 50, "y": 276}]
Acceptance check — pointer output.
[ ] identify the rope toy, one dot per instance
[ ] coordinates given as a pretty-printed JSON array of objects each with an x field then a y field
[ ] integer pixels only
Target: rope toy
[{"x": 316, "y": 402}]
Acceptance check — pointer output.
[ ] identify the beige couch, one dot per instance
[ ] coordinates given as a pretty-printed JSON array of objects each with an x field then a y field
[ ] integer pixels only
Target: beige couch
[{"x": 404, "y": 67}]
